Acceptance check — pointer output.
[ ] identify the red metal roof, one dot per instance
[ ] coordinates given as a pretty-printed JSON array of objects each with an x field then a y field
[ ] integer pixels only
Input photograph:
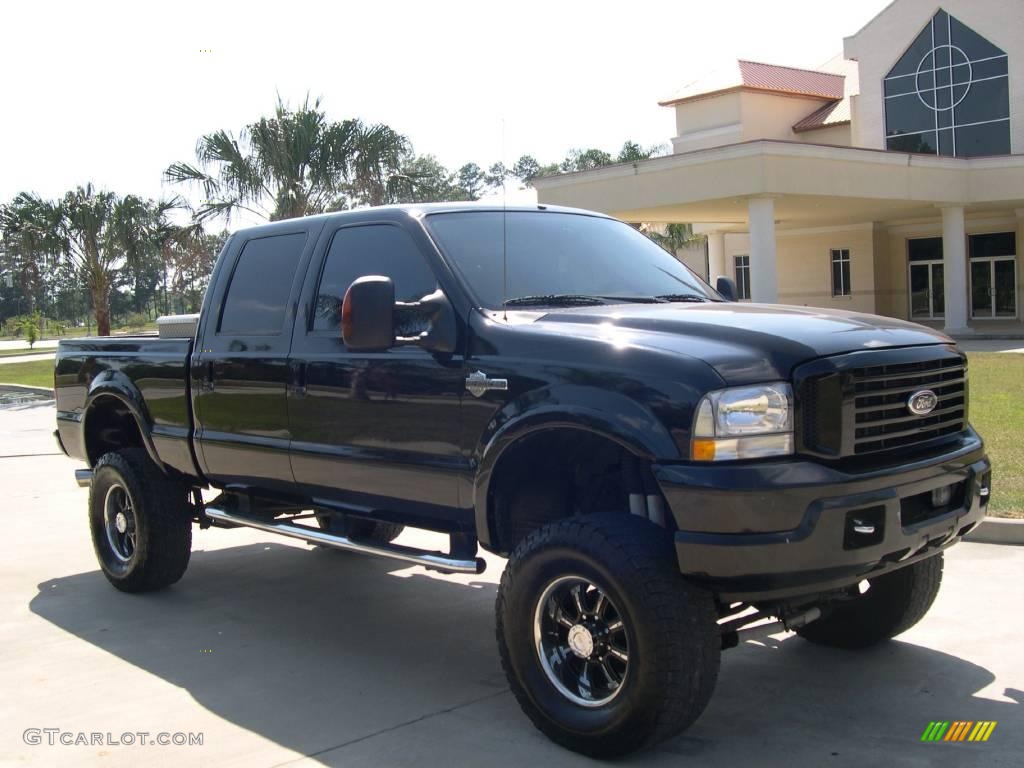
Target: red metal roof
[
  {"x": 833, "y": 113},
  {"x": 755, "y": 75}
]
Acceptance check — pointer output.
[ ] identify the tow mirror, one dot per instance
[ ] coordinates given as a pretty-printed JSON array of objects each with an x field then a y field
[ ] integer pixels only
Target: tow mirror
[
  {"x": 727, "y": 287},
  {"x": 367, "y": 314},
  {"x": 372, "y": 321}
]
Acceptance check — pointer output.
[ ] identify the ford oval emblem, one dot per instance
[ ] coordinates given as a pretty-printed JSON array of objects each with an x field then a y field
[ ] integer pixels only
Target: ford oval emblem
[{"x": 922, "y": 402}]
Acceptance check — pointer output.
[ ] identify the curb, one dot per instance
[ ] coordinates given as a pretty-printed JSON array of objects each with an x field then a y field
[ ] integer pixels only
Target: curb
[
  {"x": 998, "y": 530},
  {"x": 27, "y": 388}
]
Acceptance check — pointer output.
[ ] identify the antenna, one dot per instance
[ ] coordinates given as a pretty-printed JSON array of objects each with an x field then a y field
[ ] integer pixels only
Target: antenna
[{"x": 504, "y": 236}]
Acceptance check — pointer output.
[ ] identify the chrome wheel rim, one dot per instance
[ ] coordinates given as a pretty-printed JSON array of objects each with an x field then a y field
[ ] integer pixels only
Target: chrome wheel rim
[
  {"x": 119, "y": 522},
  {"x": 581, "y": 641}
]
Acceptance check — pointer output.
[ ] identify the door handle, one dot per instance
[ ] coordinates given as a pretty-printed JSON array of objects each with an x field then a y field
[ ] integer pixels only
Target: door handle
[
  {"x": 299, "y": 386},
  {"x": 208, "y": 381}
]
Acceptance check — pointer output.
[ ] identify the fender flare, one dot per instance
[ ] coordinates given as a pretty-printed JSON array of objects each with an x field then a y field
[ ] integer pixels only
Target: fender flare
[
  {"x": 645, "y": 439},
  {"x": 114, "y": 384}
]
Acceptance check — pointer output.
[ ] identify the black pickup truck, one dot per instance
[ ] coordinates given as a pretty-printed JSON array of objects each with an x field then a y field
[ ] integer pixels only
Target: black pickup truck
[{"x": 662, "y": 465}]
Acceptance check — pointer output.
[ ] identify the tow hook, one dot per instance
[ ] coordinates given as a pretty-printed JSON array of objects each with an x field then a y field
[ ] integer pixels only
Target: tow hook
[{"x": 200, "y": 508}]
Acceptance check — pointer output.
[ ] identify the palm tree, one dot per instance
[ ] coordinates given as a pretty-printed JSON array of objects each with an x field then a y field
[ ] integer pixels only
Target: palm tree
[
  {"x": 675, "y": 237},
  {"x": 95, "y": 232},
  {"x": 295, "y": 163},
  {"x": 85, "y": 227},
  {"x": 140, "y": 229},
  {"x": 28, "y": 225}
]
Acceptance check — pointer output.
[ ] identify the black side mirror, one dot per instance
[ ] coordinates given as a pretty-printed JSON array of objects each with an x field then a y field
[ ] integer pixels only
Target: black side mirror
[
  {"x": 367, "y": 314},
  {"x": 371, "y": 320},
  {"x": 727, "y": 287}
]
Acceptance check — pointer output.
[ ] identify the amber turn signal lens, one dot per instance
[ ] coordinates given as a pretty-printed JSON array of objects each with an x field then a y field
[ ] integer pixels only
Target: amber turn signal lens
[
  {"x": 702, "y": 450},
  {"x": 346, "y": 315}
]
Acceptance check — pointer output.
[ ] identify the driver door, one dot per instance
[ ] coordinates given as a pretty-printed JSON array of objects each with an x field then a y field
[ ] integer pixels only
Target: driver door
[{"x": 373, "y": 430}]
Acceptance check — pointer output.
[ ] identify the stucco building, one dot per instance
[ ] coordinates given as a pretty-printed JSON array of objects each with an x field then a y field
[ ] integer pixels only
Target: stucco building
[{"x": 890, "y": 180}]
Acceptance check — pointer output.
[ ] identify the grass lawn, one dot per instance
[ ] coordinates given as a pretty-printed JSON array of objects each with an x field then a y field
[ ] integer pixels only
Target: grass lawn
[
  {"x": 997, "y": 384},
  {"x": 38, "y": 373}
]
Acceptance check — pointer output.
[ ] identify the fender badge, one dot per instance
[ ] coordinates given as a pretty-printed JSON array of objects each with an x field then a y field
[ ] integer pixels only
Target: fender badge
[{"x": 477, "y": 383}]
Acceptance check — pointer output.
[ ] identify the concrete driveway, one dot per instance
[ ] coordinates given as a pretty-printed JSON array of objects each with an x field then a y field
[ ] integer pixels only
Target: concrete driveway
[{"x": 281, "y": 654}]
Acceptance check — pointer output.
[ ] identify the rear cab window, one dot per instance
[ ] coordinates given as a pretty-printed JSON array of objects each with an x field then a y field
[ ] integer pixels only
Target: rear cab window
[{"x": 257, "y": 294}]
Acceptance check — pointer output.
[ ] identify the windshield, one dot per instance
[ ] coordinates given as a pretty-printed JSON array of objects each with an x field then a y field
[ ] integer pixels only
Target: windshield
[{"x": 560, "y": 259}]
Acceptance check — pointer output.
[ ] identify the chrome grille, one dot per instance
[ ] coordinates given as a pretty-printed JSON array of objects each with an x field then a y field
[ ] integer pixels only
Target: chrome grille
[{"x": 882, "y": 420}]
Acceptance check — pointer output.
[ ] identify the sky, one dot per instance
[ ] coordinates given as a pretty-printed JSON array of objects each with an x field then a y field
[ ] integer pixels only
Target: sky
[{"x": 112, "y": 92}]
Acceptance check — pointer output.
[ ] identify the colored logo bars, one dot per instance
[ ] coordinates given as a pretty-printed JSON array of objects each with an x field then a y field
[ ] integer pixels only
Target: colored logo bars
[{"x": 958, "y": 730}]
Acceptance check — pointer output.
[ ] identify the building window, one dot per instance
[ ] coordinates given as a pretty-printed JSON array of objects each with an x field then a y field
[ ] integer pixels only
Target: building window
[
  {"x": 926, "y": 279},
  {"x": 742, "y": 276},
  {"x": 840, "y": 271},
  {"x": 949, "y": 94}
]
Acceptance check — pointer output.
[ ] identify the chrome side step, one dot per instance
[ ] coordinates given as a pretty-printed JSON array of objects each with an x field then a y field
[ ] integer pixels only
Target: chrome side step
[{"x": 437, "y": 561}]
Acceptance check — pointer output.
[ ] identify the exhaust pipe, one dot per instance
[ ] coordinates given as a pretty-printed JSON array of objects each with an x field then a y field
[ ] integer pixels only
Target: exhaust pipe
[
  {"x": 437, "y": 561},
  {"x": 734, "y": 629},
  {"x": 83, "y": 477}
]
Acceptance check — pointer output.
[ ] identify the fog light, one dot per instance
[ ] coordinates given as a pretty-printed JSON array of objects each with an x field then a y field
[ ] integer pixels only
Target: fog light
[{"x": 941, "y": 496}]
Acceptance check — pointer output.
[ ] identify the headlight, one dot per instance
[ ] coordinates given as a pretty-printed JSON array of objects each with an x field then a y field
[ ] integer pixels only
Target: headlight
[{"x": 744, "y": 423}]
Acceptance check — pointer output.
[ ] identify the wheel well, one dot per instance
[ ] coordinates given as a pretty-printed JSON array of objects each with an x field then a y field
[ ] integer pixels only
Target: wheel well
[
  {"x": 110, "y": 426},
  {"x": 560, "y": 473}
]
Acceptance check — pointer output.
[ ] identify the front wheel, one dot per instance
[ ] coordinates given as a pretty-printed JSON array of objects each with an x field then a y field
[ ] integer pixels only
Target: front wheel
[
  {"x": 604, "y": 644},
  {"x": 892, "y": 604}
]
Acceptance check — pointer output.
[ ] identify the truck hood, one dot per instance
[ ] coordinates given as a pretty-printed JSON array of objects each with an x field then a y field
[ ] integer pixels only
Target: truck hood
[{"x": 743, "y": 342}]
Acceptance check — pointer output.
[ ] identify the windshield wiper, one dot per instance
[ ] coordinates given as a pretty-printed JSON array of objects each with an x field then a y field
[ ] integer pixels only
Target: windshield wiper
[
  {"x": 634, "y": 299},
  {"x": 555, "y": 300},
  {"x": 578, "y": 300},
  {"x": 694, "y": 297}
]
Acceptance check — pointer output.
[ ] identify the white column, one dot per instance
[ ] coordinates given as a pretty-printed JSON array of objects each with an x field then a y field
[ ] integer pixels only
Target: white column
[
  {"x": 716, "y": 256},
  {"x": 954, "y": 268},
  {"x": 764, "y": 280}
]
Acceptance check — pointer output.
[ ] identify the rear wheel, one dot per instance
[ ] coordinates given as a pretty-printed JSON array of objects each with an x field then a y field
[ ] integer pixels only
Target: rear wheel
[
  {"x": 140, "y": 522},
  {"x": 604, "y": 644},
  {"x": 892, "y": 604}
]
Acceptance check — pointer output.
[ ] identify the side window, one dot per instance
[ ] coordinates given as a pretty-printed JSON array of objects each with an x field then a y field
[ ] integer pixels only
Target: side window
[
  {"x": 376, "y": 249},
  {"x": 254, "y": 304}
]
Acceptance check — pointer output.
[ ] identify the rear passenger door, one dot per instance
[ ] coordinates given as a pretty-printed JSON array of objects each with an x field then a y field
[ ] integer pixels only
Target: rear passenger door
[
  {"x": 240, "y": 371},
  {"x": 374, "y": 431}
]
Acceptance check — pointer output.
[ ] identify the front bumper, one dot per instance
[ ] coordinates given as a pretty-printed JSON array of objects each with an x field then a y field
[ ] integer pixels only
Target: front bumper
[{"x": 779, "y": 530}]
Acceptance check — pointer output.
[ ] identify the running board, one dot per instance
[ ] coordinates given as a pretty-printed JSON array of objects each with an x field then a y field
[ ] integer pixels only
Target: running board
[{"x": 437, "y": 561}]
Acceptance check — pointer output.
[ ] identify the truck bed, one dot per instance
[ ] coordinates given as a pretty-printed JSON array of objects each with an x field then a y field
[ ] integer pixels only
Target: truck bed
[{"x": 149, "y": 373}]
